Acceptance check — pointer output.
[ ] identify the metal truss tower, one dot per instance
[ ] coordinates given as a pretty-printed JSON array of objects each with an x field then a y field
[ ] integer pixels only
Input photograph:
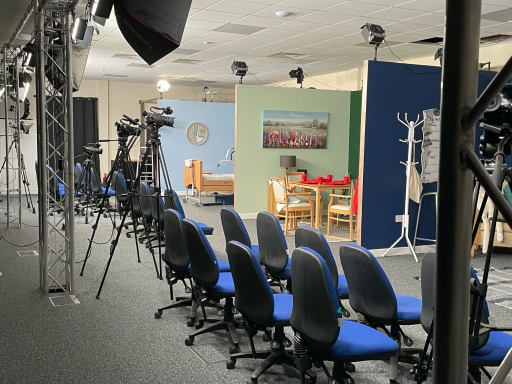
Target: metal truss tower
[{"x": 55, "y": 172}]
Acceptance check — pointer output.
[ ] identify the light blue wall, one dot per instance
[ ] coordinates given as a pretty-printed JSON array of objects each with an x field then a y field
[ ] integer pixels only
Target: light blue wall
[{"x": 219, "y": 118}]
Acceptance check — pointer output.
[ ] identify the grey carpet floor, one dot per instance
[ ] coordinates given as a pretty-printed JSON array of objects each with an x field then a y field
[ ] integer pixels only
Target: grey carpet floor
[{"x": 116, "y": 339}]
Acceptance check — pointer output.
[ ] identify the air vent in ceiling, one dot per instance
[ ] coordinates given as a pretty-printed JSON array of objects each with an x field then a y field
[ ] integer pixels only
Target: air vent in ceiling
[
  {"x": 495, "y": 39},
  {"x": 289, "y": 55},
  {"x": 239, "y": 29},
  {"x": 189, "y": 61},
  {"x": 430, "y": 40},
  {"x": 501, "y": 15},
  {"x": 125, "y": 56},
  {"x": 142, "y": 65},
  {"x": 118, "y": 76}
]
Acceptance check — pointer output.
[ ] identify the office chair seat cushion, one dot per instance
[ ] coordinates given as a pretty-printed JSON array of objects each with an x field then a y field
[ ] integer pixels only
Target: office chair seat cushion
[
  {"x": 62, "y": 189},
  {"x": 286, "y": 271},
  {"x": 255, "y": 249},
  {"x": 207, "y": 230},
  {"x": 223, "y": 266},
  {"x": 283, "y": 304},
  {"x": 492, "y": 353},
  {"x": 110, "y": 191},
  {"x": 342, "y": 289},
  {"x": 359, "y": 342},
  {"x": 225, "y": 287},
  {"x": 408, "y": 308}
]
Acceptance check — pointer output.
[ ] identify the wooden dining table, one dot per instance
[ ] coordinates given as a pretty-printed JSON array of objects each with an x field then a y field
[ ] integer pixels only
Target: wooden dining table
[{"x": 319, "y": 188}]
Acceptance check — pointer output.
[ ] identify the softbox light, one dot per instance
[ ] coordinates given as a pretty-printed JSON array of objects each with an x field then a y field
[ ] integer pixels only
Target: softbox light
[
  {"x": 80, "y": 55},
  {"x": 153, "y": 28}
]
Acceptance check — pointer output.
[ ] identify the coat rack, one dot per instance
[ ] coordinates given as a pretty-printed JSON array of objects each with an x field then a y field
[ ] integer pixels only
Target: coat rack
[{"x": 411, "y": 125}]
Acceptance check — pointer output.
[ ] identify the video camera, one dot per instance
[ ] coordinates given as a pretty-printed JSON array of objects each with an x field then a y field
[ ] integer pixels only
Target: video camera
[
  {"x": 158, "y": 120},
  {"x": 92, "y": 148},
  {"x": 125, "y": 130},
  {"x": 497, "y": 123}
]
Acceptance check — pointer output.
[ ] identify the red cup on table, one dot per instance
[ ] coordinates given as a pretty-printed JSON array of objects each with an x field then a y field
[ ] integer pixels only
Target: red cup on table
[
  {"x": 304, "y": 178},
  {"x": 329, "y": 178},
  {"x": 320, "y": 180},
  {"x": 346, "y": 179}
]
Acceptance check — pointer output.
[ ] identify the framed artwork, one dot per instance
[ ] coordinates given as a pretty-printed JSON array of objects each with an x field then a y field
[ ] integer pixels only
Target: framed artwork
[{"x": 295, "y": 130}]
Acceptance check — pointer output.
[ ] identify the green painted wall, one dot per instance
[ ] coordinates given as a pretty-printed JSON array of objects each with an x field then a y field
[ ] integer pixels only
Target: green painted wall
[
  {"x": 255, "y": 165},
  {"x": 355, "y": 133}
]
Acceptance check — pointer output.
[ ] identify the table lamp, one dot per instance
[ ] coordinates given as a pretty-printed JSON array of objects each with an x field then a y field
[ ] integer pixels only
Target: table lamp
[{"x": 287, "y": 162}]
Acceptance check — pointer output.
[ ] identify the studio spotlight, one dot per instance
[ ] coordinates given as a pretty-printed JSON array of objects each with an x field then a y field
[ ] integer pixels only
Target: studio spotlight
[
  {"x": 79, "y": 29},
  {"x": 374, "y": 34},
  {"x": 239, "y": 68},
  {"x": 2, "y": 91},
  {"x": 25, "y": 80},
  {"x": 101, "y": 8},
  {"x": 30, "y": 58},
  {"x": 162, "y": 87},
  {"x": 439, "y": 55},
  {"x": 297, "y": 74}
]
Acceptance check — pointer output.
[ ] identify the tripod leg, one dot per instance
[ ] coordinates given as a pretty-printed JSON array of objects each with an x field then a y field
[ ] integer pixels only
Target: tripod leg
[
  {"x": 95, "y": 227},
  {"x": 134, "y": 230},
  {"x": 112, "y": 250},
  {"x": 151, "y": 250}
]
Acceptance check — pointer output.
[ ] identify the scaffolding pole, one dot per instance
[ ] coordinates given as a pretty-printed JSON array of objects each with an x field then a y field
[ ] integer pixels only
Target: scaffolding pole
[
  {"x": 17, "y": 133},
  {"x": 6, "y": 114}
]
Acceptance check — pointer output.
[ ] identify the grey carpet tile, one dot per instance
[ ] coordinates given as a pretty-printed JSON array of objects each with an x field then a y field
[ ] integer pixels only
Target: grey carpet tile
[{"x": 116, "y": 339}]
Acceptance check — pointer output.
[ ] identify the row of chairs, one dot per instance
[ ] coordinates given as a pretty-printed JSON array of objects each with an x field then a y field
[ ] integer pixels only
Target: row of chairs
[{"x": 315, "y": 298}]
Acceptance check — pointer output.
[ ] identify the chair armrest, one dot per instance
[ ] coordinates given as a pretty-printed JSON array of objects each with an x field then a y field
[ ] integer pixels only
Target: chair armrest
[
  {"x": 280, "y": 201},
  {"x": 298, "y": 193},
  {"x": 340, "y": 196}
]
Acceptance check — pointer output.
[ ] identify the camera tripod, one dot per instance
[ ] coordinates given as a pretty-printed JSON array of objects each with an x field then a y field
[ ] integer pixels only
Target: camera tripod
[
  {"x": 153, "y": 148},
  {"x": 24, "y": 177},
  {"x": 88, "y": 182},
  {"x": 121, "y": 162},
  {"x": 477, "y": 328}
]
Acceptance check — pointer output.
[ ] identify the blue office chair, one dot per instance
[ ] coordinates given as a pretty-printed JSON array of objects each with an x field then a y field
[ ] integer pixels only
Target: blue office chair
[
  {"x": 491, "y": 348},
  {"x": 320, "y": 334},
  {"x": 312, "y": 238},
  {"x": 234, "y": 229},
  {"x": 260, "y": 309},
  {"x": 206, "y": 228},
  {"x": 373, "y": 298},
  {"x": 273, "y": 250},
  {"x": 56, "y": 188},
  {"x": 209, "y": 283}
]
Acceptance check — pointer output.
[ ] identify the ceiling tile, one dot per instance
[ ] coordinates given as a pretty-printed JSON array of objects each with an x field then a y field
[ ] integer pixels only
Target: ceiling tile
[
  {"x": 259, "y": 21},
  {"x": 203, "y": 3},
  {"x": 324, "y": 17},
  {"x": 355, "y": 8},
  {"x": 397, "y": 14},
  {"x": 334, "y": 30},
  {"x": 429, "y": 19},
  {"x": 299, "y": 26},
  {"x": 245, "y": 8},
  {"x": 239, "y": 29},
  {"x": 221, "y": 17},
  {"x": 425, "y": 5},
  {"x": 308, "y": 4},
  {"x": 358, "y": 22},
  {"x": 271, "y": 12},
  {"x": 203, "y": 25},
  {"x": 502, "y": 15}
]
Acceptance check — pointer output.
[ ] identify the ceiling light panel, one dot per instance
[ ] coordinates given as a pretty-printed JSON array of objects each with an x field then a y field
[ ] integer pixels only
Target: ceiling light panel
[
  {"x": 239, "y": 29},
  {"x": 208, "y": 15},
  {"x": 235, "y": 6},
  {"x": 259, "y": 21}
]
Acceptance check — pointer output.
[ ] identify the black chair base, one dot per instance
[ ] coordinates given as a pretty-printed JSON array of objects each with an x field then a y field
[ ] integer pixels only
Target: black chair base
[{"x": 180, "y": 302}]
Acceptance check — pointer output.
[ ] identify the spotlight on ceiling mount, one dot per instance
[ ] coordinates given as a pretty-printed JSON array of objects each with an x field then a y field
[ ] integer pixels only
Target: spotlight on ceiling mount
[
  {"x": 29, "y": 55},
  {"x": 374, "y": 34},
  {"x": 297, "y": 74},
  {"x": 79, "y": 29},
  {"x": 439, "y": 55},
  {"x": 239, "y": 68},
  {"x": 162, "y": 87},
  {"x": 25, "y": 80},
  {"x": 101, "y": 8}
]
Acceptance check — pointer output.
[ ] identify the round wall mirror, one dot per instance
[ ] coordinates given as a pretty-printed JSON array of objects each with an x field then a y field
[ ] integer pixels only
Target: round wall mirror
[{"x": 197, "y": 133}]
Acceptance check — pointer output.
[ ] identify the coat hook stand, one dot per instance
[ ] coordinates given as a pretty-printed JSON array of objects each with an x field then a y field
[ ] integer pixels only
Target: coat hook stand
[{"x": 411, "y": 125}]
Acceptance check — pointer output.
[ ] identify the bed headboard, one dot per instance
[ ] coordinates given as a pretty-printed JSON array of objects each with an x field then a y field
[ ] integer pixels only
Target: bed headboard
[{"x": 198, "y": 174}]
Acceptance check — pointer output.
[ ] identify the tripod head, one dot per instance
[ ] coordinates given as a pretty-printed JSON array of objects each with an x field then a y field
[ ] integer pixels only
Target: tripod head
[{"x": 91, "y": 149}]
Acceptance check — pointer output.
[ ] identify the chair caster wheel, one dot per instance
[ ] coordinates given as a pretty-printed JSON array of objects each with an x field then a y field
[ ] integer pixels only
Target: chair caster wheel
[
  {"x": 92, "y": 214},
  {"x": 158, "y": 315},
  {"x": 235, "y": 311},
  {"x": 190, "y": 322},
  {"x": 188, "y": 290},
  {"x": 287, "y": 343},
  {"x": 349, "y": 367},
  {"x": 311, "y": 381},
  {"x": 317, "y": 364},
  {"x": 199, "y": 324},
  {"x": 265, "y": 338},
  {"x": 220, "y": 312},
  {"x": 233, "y": 349},
  {"x": 83, "y": 213},
  {"x": 147, "y": 245},
  {"x": 230, "y": 364},
  {"x": 345, "y": 313},
  {"x": 128, "y": 235},
  {"x": 105, "y": 216},
  {"x": 408, "y": 341},
  {"x": 141, "y": 241},
  {"x": 189, "y": 341}
]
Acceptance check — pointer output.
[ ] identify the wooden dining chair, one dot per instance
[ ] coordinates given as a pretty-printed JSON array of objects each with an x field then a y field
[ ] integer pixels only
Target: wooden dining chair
[
  {"x": 291, "y": 211},
  {"x": 340, "y": 209}
]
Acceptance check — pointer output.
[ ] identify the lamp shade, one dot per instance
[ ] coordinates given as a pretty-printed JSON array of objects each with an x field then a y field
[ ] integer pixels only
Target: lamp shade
[{"x": 287, "y": 161}]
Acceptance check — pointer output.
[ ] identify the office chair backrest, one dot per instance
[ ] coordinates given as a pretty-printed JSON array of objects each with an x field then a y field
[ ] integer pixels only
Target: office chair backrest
[
  {"x": 172, "y": 201},
  {"x": 428, "y": 293},
  {"x": 312, "y": 238},
  {"x": 119, "y": 184},
  {"x": 371, "y": 292},
  {"x": 157, "y": 206},
  {"x": 203, "y": 262},
  {"x": 145, "y": 201},
  {"x": 78, "y": 173},
  {"x": 315, "y": 303},
  {"x": 272, "y": 245},
  {"x": 253, "y": 296},
  {"x": 95, "y": 184},
  {"x": 176, "y": 253},
  {"x": 234, "y": 228}
]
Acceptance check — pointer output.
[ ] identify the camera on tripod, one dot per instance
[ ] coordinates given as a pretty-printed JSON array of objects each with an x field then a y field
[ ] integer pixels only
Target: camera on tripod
[
  {"x": 497, "y": 123},
  {"x": 158, "y": 120},
  {"x": 93, "y": 148},
  {"x": 125, "y": 130}
]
